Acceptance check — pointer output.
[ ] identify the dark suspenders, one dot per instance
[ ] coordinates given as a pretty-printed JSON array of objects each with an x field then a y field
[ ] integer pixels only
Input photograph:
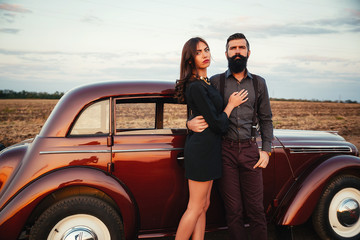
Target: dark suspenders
[
  {"x": 255, "y": 84},
  {"x": 254, "y": 120}
]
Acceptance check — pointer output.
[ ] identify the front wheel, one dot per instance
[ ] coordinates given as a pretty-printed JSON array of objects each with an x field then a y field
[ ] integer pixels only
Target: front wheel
[
  {"x": 337, "y": 215},
  {"x": 80, "y": 217}
]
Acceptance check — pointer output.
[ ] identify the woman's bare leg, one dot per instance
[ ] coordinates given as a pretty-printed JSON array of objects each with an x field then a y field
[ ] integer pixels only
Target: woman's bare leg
[
  {"x": 199, "y": 231},
  {"x": 198, "y": 192}
]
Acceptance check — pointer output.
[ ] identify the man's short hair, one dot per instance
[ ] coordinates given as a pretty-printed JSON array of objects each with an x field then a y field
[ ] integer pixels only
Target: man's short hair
[{"x": 237, "y": 36}]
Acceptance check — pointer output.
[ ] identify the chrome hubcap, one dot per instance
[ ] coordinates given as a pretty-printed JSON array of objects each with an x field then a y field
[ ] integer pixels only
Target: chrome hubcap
[
  {"x": 344, "y": 213},
  {"x": 348, "y": 212},
  {"x": 80, "y": 227},
  {"x": 79, "y": 233}
]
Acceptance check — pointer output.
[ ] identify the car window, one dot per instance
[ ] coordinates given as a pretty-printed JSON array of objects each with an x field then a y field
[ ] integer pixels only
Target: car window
[
  {"x": 135, "y": 116},
  {"x": 175, "y": 115},
  {"x": 149, "y": 116},
  {"x": 93, "y": 120}
]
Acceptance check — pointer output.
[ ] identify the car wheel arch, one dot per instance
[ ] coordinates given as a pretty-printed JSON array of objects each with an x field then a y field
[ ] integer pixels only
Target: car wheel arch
[
  {"x": 66, "y": 192},
  {"x": 89, "y": 180},
  {"x": 299, "y": 203}
]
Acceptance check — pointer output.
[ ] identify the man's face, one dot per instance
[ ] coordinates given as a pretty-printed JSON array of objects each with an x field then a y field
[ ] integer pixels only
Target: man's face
[
  {"x": 237, "y": 55},
  {"x": 237, "y": 46}
]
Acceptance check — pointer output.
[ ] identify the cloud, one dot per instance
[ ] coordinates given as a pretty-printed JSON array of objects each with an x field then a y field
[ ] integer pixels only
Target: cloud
[
  {"x": 301, "y": 74},
  {"x": 9, "y": 30},
  {"x": 345, "y": 24},
  {"x": 74, "y": 68},
  {"x": 128, "y": 57},
  {"x": 353, "y": 12},
  {"x": 322, "y": 26},
  {"x": 9, "y": 17},
  {"x": 13, "y": 8},
  {"x": 91, "y": 19},
  {"x": 294, "y": 29},
  {"x": 10, "y": 12},
  {"x": 313, "y": 58},
  {"x": 355, "y": 30},
  {"x": 51, "y": 53}
]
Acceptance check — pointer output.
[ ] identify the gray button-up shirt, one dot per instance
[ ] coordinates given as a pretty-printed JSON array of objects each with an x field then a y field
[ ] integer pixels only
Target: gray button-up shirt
[{"x": 241, "y": 117}]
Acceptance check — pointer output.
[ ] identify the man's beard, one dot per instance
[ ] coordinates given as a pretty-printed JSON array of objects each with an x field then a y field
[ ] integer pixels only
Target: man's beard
[{"x": 237, "y": 65}]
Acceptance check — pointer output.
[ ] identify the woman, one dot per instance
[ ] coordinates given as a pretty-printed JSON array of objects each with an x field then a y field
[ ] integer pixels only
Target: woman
[{"x": 202, "y": 150}]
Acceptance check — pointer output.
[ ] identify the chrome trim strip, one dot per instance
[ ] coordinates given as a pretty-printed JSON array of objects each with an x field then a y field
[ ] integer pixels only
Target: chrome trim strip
[
  {"x": 114, "y": 151},
  {"x": 275, "y": 147},
  {"x": 76, "y": 151},
  {"x": 319, "y": 149},
  {"x": 148, "y": 150}
]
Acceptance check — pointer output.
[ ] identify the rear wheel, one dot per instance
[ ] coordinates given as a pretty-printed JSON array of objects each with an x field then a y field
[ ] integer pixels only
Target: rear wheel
[
  {"x": 80, "y": 217},
  {"x": 337, "y": 215}
]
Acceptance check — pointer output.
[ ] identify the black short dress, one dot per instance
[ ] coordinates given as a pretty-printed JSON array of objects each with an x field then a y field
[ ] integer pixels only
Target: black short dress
[{"x": 203, "y": 150}]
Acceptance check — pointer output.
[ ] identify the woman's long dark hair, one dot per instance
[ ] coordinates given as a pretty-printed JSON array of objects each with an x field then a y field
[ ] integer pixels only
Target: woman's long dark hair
[{"x": 187, "y": 67}]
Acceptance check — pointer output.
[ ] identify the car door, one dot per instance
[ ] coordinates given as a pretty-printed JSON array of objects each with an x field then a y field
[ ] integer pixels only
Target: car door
[{"x": 149, "y": 136}]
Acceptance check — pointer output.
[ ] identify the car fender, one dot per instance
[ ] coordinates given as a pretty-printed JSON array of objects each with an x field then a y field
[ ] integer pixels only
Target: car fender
[
  {"x": 10, "y": 160},
  {"x": 300, "y": 201},
  {"x": 15, "y": 214}
]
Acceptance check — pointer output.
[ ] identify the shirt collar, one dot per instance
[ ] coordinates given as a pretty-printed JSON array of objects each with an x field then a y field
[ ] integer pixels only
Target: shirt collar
[{"x": 248, "y": 74}]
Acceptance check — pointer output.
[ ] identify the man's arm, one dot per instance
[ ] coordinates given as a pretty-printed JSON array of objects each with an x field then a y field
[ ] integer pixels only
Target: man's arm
[
  {"x": 266, "y": 126},
  {"x": 265, "y": 118},
  {"x": 197, "y": 124}
]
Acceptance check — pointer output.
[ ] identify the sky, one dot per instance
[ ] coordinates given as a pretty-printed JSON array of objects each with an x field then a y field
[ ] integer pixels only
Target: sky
[{"x": 305, "y": 49}]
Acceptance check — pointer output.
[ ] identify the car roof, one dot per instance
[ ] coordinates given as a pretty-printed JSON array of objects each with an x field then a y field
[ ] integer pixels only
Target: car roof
[
  {"x": 117, "y": 88},
  {"x": 75, "y": 99}
]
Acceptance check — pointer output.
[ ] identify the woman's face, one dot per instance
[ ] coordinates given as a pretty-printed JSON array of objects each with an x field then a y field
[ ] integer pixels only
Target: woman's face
[{"x": 202, "y": 57}]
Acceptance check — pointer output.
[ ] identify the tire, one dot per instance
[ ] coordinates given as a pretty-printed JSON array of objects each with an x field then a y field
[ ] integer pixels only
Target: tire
[
  {"x": 337, "y": 213},
  {"x": 81, "y": 216}
]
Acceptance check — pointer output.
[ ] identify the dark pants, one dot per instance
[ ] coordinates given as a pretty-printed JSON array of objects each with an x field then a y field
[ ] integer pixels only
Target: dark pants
[{"x": 242, "y": 190}]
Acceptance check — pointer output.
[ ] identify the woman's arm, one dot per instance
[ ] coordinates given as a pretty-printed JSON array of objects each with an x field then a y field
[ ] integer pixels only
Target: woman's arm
[
  {"x": 217, "y": 122},
  {"x": 199, "y": 124}
]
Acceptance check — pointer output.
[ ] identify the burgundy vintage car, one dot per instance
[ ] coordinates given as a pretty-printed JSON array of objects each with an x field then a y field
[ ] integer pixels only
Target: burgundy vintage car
[{"x": 108, "y": 164}]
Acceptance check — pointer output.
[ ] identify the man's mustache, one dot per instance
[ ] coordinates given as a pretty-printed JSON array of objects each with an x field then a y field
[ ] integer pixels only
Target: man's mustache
[{"x": 238, "y": 56}]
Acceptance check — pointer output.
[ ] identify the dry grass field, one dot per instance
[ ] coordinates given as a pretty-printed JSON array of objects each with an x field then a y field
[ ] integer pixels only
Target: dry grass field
[{"x": 22, "y": 119}]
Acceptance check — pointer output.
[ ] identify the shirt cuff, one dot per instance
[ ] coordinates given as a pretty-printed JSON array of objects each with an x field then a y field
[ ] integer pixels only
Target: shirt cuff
[{"x": 266, "y": 146}]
